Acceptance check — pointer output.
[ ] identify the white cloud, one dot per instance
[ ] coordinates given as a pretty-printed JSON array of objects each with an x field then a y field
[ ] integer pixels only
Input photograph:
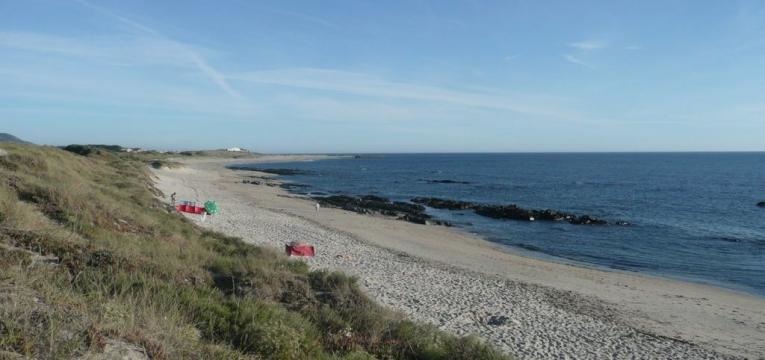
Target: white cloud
[
  {"x": 372, "y": 86},
  {"x": 74, "y": 85},
  {"x": 575, "y": 60},
  {"x": 47, "y": 43},
  {"x": 306, "y": 18},
  {"x": 183, "y": 49},
  {"x": 130, "y": 23},
  {"x": 588, "y": 45}
]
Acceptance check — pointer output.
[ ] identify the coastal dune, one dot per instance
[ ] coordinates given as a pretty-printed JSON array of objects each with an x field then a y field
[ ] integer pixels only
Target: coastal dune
[{"x": 527, "y": 307}]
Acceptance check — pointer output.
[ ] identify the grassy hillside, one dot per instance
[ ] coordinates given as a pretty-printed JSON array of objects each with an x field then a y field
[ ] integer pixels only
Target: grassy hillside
[
  {"x": 92, "y": 264},
  {"x": 6, "y": 137}
]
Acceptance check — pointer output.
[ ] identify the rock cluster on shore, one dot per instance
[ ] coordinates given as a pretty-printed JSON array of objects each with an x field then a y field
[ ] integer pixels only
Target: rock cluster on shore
[
  {"x": 511, "y": 212},
  {"x": 415, "y": 212},
  {"x": 447, "y": 204},
  {"x": 371, "y": 204}
]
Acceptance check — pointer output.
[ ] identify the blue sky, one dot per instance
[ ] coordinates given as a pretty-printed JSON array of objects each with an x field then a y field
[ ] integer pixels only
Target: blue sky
[{"x": 386, "y": 76}]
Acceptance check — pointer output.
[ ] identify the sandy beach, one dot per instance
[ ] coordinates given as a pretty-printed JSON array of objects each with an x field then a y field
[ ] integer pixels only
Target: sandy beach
[{"x": 530, "y": 308}]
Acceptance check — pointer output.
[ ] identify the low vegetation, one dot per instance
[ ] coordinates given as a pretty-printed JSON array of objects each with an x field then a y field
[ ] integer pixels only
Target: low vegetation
[{"x": 92, "y": 262}]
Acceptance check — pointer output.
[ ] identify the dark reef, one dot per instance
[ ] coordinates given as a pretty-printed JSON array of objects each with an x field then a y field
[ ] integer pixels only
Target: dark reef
[
  {"x": 512, "y": 212},
  {"x": 447, "y": 204},
  {"x": 372, "y": 204}
]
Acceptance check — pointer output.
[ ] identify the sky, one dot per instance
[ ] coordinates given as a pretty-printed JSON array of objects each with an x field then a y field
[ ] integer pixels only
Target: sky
[{"x": 386, "y": 76}]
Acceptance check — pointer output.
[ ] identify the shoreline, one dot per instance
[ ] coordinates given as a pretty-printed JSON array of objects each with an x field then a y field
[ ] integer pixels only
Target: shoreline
[
  {"x": 515, "y": 250},
  {"x": 660, "y": 317}
]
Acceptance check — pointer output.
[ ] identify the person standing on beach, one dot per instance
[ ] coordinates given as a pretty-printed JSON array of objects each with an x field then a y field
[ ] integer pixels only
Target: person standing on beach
[
  {"x": 317, "y": 208},
  {"x": 172, "y": 198}
]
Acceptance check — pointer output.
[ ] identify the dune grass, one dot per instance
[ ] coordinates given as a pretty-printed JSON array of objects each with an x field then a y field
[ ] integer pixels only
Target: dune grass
[{"x": 90, "y": 258}]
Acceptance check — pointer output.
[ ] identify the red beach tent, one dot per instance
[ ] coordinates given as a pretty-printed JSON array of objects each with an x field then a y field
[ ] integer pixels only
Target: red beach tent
[{"x": 295, "y": 249}]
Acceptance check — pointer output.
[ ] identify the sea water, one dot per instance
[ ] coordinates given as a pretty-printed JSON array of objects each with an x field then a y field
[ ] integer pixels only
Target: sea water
[{"x": 693, "y": 215}]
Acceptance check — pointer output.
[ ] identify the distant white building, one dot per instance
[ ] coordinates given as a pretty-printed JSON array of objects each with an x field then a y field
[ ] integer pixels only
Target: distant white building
[{"x": 235, "y": 149}]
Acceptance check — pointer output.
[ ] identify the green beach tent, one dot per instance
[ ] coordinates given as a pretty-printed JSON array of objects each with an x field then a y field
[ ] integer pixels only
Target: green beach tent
[{"x": 211, "y": 207}]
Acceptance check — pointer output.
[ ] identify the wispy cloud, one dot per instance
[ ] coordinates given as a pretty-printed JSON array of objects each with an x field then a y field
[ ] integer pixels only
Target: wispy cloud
[
  {"x": 130, "y": 23},
  {"x": 588, "y": 45},
  {"x": 371, "y": 86},
  {"x": 48, "y": 43},
  {"x": 306, "y": 18},
  {"x": 98, "y": 87},
  {"x": 576, "y": 60},
  {"x": 510, "y": 58},
  {"x": 185, "y": 50},
  {"x": 582, "y": 51}
]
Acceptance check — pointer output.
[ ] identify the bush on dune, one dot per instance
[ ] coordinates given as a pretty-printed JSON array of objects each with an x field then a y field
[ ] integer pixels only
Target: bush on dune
[{"x": 90, "y": 258}]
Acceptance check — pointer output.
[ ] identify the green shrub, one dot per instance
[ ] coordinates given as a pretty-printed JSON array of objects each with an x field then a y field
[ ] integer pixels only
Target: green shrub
[{"x": 79, "y": 149}]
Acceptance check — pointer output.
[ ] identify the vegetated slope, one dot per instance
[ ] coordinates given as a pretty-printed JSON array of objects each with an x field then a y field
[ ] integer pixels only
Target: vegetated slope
[
  {"x": 6, "y": 137},
  {"x": 91, "y": 262}
]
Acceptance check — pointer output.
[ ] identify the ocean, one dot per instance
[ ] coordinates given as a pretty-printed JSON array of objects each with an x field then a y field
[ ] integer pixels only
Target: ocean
[{"x": 693, "y": 216}]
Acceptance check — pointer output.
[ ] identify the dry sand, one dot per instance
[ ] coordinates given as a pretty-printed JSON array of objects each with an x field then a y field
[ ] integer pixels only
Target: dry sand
[{"x": 458, "y": 281}]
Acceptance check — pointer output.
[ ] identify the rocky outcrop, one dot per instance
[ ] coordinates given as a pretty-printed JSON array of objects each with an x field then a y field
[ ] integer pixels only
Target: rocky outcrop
[
  {"x": 512, "y": 212},
  {"x": 376, "y": 205},
  {"x": 447, "y": 204},
  {"x": 371, "y": 204}
]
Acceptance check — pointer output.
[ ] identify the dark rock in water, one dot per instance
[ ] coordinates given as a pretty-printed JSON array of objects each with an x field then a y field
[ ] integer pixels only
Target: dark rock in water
[
  {"x": 422, "y": 220},
  {"x": 510, "y": 212},
  {"x": 497, "y": 320},
  {"x": 513, "y": 212},
  {"x": 622, "y": 223},
  {"x": 437, "y": 181},
  {"x": 374, "y": 198},
  {"x": 586, "y": 220},
  {"x": 439, "y": 223},
  {"x": 529, "y": 247},
  {"x": 761, "y": 204},
  {"x": 372, "y": 204},
  {"x": 437, "y": 203},
  {"x": 283, "y": 172}
]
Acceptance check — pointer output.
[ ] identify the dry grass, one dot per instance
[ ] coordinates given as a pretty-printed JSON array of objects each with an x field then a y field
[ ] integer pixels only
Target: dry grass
[{"x": 89, "y": 257}]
